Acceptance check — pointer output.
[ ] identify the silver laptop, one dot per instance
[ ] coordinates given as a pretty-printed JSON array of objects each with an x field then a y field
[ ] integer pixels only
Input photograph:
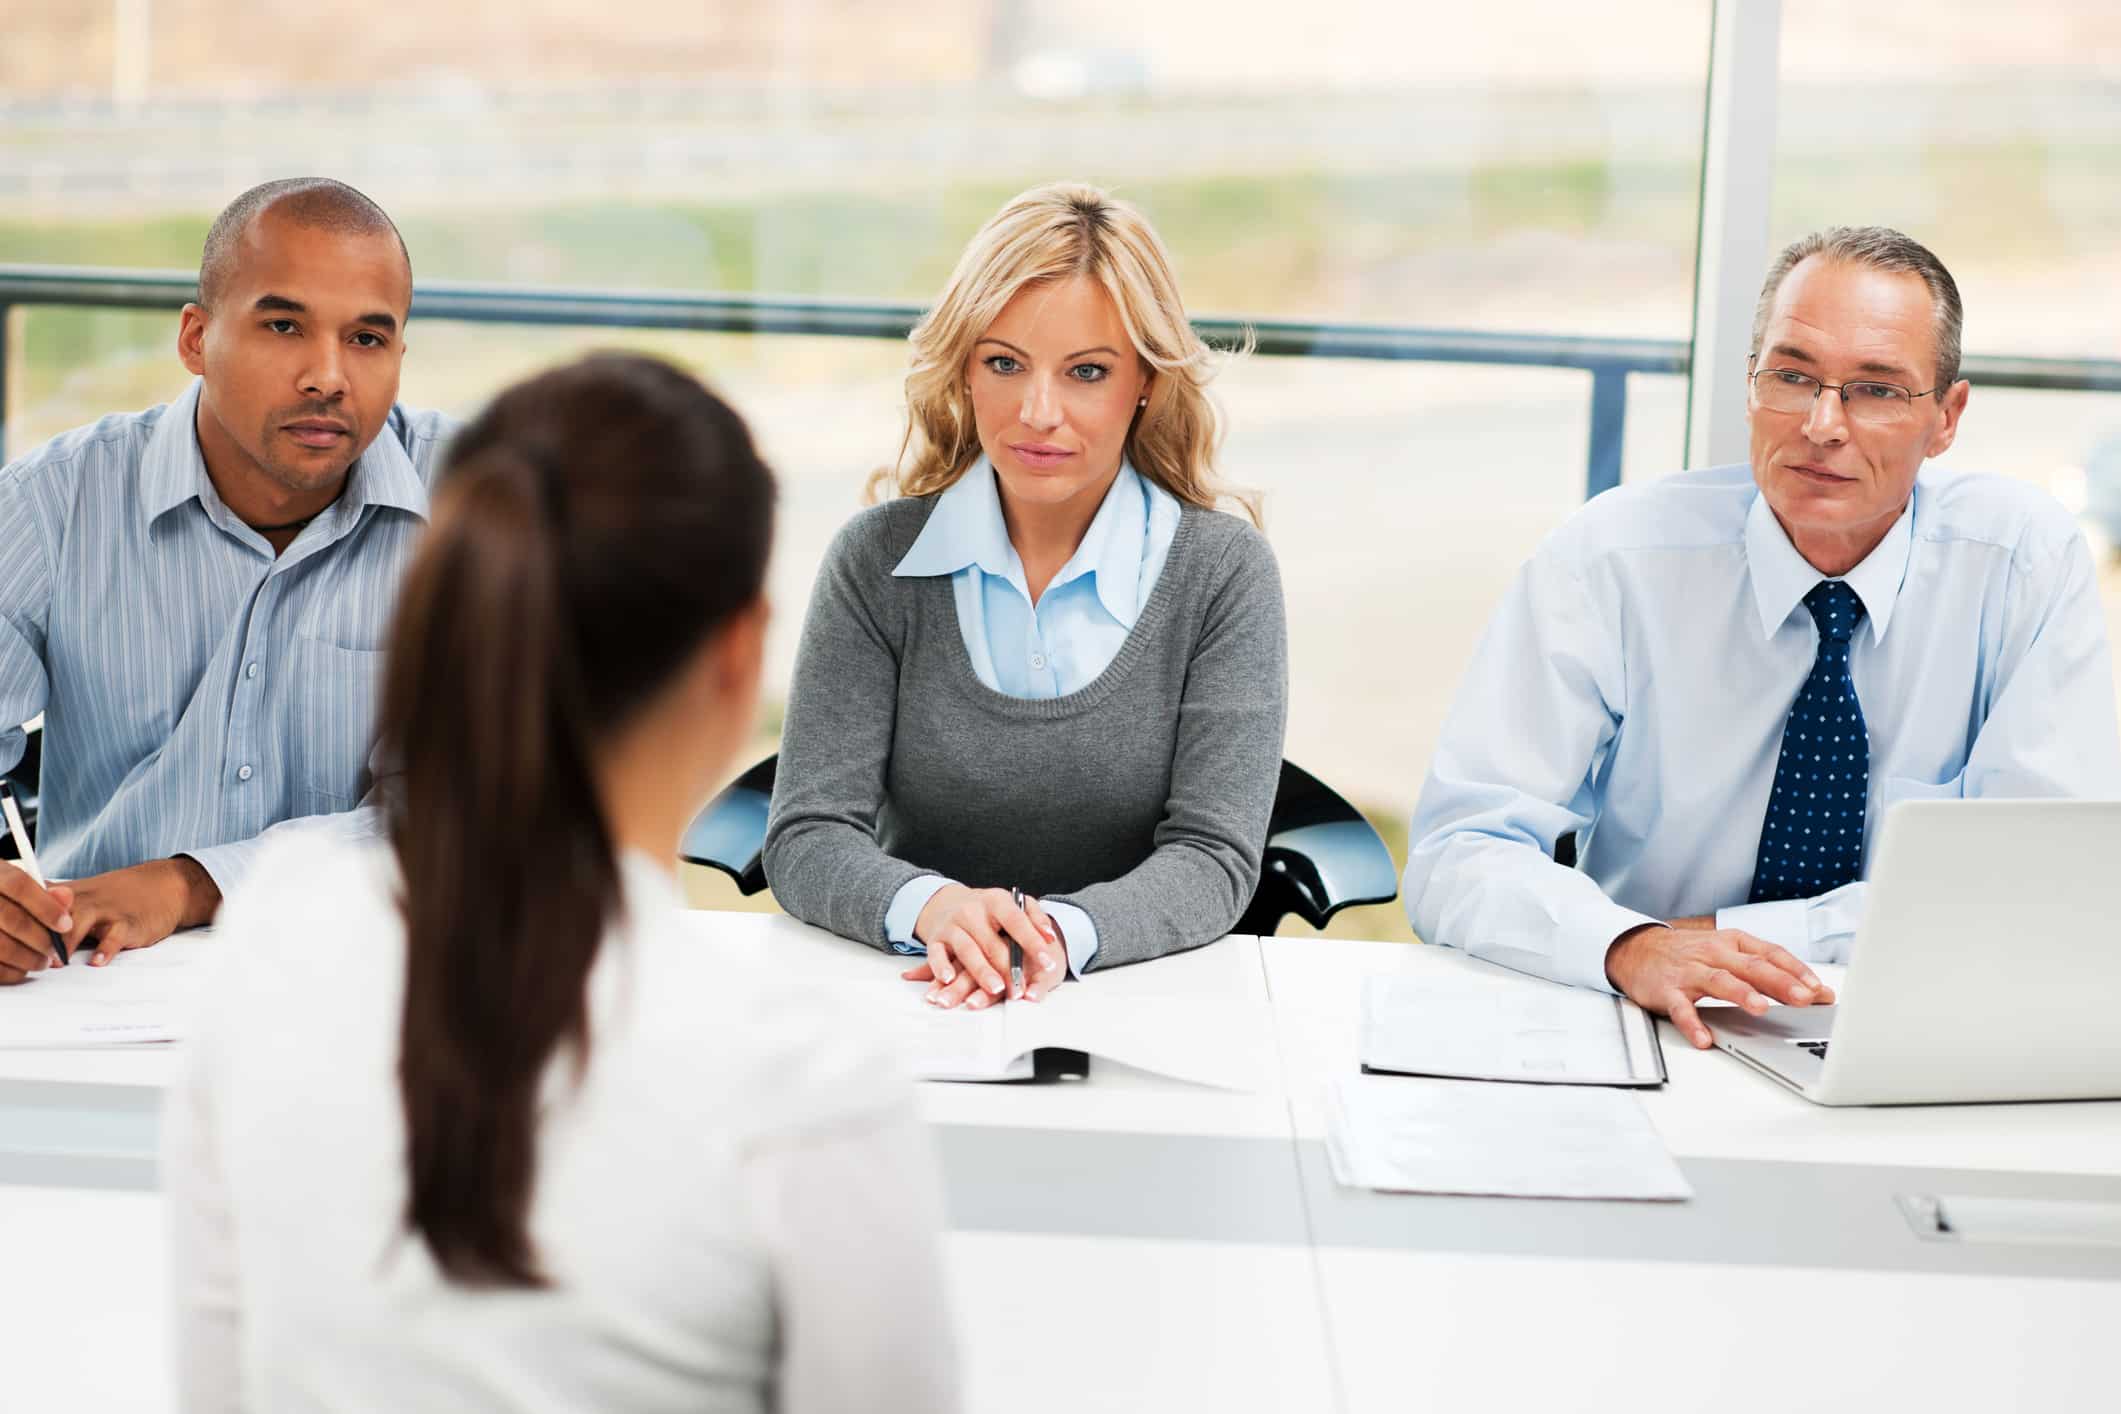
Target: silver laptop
[{"x": 1987, "y": 966}]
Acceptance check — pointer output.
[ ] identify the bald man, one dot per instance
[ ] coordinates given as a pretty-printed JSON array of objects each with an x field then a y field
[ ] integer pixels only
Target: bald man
[{"x": 195, "y": 596}]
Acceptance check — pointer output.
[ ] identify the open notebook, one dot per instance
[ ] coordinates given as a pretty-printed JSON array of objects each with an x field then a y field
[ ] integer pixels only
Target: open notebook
[{"x": 1228, "y": 1044}]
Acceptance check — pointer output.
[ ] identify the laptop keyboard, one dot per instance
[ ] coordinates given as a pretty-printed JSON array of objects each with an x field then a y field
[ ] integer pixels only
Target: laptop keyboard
[{"x": 1817, "y": 1048}]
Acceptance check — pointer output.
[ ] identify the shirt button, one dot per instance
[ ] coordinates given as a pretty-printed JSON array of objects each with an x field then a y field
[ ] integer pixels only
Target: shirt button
[
  {"x": 251, "y": 671},
  {"x": 243, "y": 773},
  {"x": 1038, "y": 661}
]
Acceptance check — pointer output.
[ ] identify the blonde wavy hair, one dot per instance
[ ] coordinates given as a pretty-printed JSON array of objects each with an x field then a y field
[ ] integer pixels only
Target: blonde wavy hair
[{"x": 1052, "y": 233}]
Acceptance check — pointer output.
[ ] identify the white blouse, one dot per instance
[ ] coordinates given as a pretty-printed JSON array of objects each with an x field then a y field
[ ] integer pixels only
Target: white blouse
[{"x": 737, "y": 1206}]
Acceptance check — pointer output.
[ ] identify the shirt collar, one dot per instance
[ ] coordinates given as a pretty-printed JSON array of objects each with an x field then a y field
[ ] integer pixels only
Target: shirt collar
[
  {"x": 966, "y": 528},
  {"x": 173, "y": 469},
  {"x": 1781, "y": 577},
  {"x": 1112, "y": 547}
]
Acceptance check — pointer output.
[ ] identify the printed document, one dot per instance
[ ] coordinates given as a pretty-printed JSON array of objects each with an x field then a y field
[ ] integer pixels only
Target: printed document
[
  {"x": 141, "y": 995},
  {"x": 1406, "y": 1135}
]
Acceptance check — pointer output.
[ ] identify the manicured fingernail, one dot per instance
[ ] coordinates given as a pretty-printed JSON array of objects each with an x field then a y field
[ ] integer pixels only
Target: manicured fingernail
[
  {"x": 65, "y": 923},
  {"x": 1811, "y": 981},
  {"x": 933, "y": 994},
  {"x": 1804, "y": 993},
  {"x": 979, "y": 999},
  {"x": 995, "y": 987}
]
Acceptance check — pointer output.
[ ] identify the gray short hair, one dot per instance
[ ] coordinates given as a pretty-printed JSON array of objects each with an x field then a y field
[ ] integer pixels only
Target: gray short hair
[
  {"x": 1880, "y": 248},
  {"x": 316, "y": 202}
]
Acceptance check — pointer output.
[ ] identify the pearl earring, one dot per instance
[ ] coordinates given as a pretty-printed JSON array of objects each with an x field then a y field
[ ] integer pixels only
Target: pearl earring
[{"x": 1143, "y": 403}]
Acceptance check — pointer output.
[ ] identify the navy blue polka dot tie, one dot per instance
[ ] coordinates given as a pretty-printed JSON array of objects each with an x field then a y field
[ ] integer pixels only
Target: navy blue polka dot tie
[{"x": 1812, "y": 839}]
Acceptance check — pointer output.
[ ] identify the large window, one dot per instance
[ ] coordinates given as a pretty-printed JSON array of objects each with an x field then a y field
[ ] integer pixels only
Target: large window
[
  {"x": 1530, "y": 168},
  {"x": 1994, "y": 137}
]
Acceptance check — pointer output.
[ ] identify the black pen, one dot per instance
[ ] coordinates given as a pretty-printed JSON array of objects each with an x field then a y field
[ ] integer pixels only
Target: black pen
[
  {"x": 26, "y": 857},
  {"x": 1016, "y": 949}
]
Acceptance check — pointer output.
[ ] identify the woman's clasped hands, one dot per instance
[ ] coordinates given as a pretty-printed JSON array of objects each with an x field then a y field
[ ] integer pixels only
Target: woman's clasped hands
[{"x": 968, "y": 932}]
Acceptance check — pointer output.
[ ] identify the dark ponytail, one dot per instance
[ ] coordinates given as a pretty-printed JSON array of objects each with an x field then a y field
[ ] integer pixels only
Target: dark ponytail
[{"x": 593, "y": 528}]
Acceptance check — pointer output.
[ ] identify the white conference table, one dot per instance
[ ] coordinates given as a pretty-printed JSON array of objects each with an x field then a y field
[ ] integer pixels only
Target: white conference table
[
  {"x": 1790, "y": 1281},
  {"x": 1121, "y": 1242},
  {"x": 1172, "y": 1247}
]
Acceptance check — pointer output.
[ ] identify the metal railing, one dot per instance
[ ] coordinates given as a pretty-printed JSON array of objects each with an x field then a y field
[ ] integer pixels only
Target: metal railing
[{"x": 1608, "y": 361}]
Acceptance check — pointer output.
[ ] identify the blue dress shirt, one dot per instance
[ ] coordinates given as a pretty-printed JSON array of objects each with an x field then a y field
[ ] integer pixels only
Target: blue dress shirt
[
  {"x": 1056, "y": 647},
  {"x": 1634, "y": 685},
  {"x": 196, "y": 688}
]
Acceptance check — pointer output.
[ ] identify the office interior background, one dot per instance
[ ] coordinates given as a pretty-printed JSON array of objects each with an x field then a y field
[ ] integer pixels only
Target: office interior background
[{"x": 1513, "y": 190}]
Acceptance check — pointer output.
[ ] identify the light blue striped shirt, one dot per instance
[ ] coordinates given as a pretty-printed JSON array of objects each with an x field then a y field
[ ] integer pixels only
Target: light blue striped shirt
[
  {"x": 1047, "y": 650},
  {"x": 196, "y": 690}
]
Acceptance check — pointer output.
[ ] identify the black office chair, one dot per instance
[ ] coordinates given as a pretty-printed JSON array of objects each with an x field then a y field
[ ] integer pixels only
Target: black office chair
[
  {"x": 22, "y": 778},
  {"x": 730, "y": 834},
  {"x": 1322, "y": 855}
]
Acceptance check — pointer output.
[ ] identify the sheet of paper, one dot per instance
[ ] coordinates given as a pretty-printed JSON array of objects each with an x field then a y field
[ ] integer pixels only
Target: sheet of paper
[
  {"x": 142, "y": 995},
  {"x": 1407, "y": 1135},
  {"x": 1519, "y": 1028}
]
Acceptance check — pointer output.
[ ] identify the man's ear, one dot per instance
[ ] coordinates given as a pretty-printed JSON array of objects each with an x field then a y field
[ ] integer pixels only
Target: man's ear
[
  {"x": 191, "y": 337},
  {"x": 1952, "y": 402}
]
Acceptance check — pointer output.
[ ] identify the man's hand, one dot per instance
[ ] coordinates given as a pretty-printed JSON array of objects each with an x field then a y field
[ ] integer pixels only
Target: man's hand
[
  {"x": 1667, "y": 969},
  {"x": 140, "y": 906},
  {"x": 968, "y": 932},
  {"x": 29, "y": 915}
]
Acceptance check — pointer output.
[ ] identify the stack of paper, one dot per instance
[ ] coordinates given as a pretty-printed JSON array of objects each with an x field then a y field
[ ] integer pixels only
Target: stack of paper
[
  {"x": 1519, "y": 1141},
  {"x": 141, "y": 995}
]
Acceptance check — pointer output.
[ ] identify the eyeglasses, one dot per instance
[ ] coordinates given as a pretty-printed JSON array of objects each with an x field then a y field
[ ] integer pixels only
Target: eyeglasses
[{"x": 1874, "y": 404}]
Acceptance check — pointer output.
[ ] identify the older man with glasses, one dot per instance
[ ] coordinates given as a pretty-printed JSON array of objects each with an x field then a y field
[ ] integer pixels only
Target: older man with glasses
[{"x": 1717, "y": 682}]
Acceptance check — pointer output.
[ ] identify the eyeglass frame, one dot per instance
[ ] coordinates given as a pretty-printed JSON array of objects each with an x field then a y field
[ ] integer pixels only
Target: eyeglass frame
[{"x": 1820, "y": 385}]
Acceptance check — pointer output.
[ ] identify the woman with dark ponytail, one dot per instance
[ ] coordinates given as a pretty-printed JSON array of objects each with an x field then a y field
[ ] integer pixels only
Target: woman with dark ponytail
[{"x": 470, "y": 1121}]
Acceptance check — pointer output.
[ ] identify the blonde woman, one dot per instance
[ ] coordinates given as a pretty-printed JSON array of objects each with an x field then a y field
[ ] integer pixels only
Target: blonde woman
[{"x": 1040, "y": 695}]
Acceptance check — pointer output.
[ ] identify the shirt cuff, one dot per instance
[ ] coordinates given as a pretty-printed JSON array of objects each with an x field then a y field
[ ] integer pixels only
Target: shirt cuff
[
  {"x": 1078, "y": 934},
  {"x": 225, "y": 864},
  {"x": 1784, "y": 922},
  {"x": 905, "y": 911},
  {"x": 1590, "y": 934},
  {"x": 1817, "y": 929}
]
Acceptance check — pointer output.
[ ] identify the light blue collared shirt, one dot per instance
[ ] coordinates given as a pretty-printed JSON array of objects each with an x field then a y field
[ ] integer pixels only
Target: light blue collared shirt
[
  {"x": 1634, "y": 685},
  {"x": 1049, "y": 650},
  {"x": 196, "y": 689}
]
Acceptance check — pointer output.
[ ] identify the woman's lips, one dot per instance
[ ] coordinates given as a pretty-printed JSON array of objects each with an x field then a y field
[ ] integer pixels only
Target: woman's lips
[{"x": 1039, "y": 454}]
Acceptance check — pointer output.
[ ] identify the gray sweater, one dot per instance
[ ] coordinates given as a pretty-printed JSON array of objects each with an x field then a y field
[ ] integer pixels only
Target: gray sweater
[{"x": 1142, "y": 799}]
